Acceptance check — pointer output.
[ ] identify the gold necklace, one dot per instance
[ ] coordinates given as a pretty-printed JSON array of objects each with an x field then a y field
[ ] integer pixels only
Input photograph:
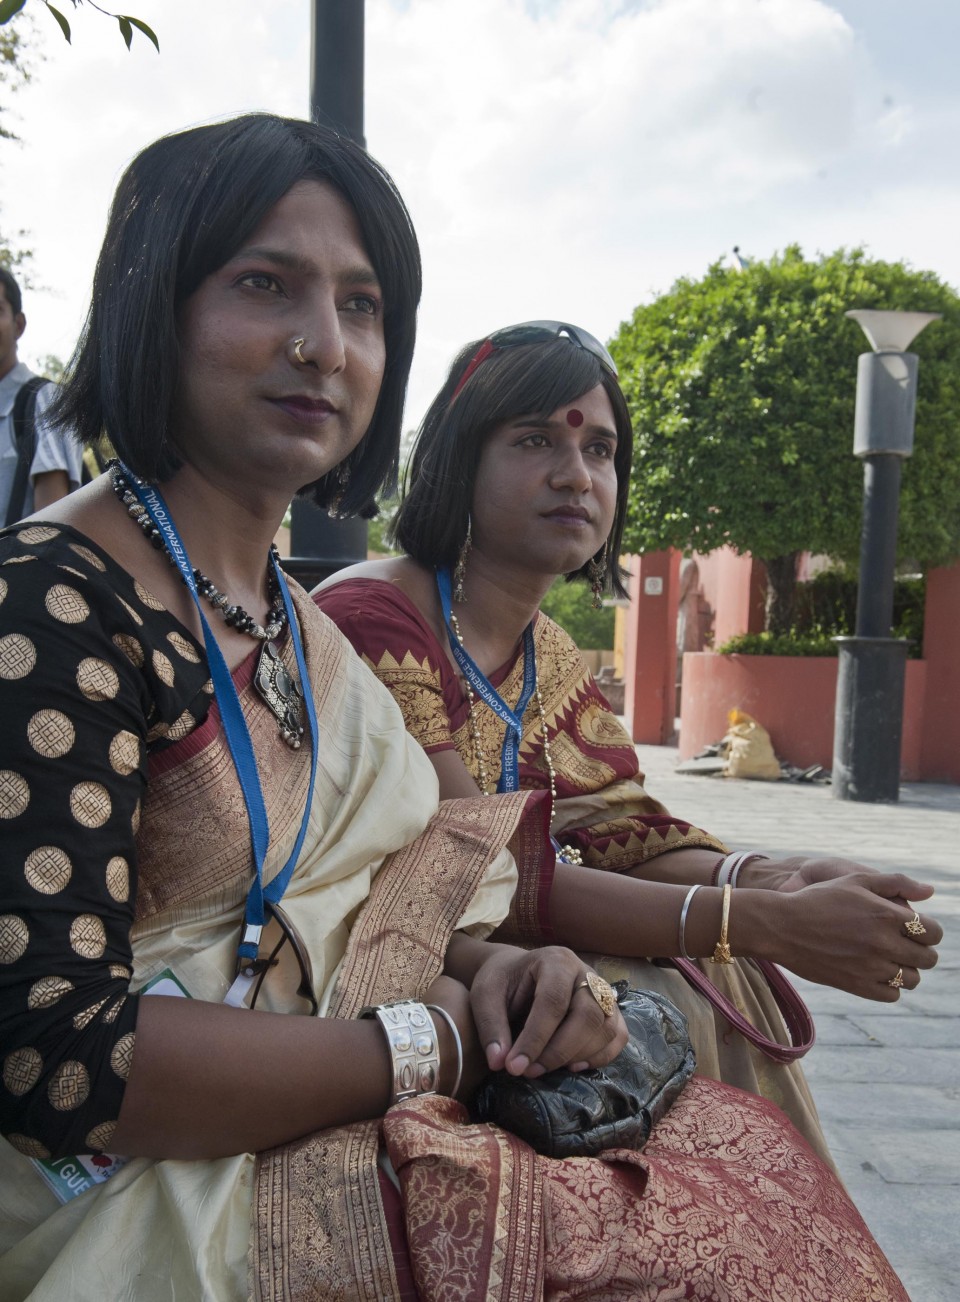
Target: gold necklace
[{"x": 569, "y": 853}]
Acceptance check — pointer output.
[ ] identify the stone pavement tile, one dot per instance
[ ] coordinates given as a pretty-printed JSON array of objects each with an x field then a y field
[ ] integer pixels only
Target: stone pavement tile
[
  {"x": 907, "y": 1033},
  {"x": 925, "y": 1157},
  {"x": 872, "y": 1066},
  {"x": 835, "y": 1029},
  {"x": 843, "y": 1104}
]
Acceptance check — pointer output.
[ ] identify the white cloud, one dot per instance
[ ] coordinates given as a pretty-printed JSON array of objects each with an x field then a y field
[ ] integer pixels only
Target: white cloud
[{"x": 565, "y": 159}]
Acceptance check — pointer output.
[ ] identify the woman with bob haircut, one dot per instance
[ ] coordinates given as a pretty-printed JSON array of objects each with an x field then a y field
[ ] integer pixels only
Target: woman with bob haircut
[
  {"x": 520, "y": 475},
  {"x": 245, "y": 974}
]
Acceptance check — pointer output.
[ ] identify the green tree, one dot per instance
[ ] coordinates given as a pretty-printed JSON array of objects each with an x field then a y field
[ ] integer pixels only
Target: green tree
[
  {"x": 571, "y": 606},
  {"x": 742, "y": 388}
]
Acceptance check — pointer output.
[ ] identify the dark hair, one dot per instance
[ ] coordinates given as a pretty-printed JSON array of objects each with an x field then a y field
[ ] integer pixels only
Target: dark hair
[
  {"x": 183, "y": 208},
  {"x": 530, "y": 379},
  {"x": 12, "y": 290}
]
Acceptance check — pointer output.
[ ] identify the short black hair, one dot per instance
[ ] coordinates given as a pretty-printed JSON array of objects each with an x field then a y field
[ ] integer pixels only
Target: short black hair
[
  {"x": 183, "y": 208},
  {"x": 526, "y": 380},
  {"x": 12, "y": 290}
]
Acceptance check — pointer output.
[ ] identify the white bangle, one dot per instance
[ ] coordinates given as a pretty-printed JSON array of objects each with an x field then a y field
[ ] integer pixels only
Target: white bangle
[
  {"x": 729, "y": 869},
  {"x": 683, "y": 920},
  {"x": 458, "y": 1044}
]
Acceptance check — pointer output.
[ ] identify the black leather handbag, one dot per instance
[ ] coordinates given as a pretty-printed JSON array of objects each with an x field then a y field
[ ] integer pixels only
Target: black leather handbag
[{"x": 579, "y": 1114}]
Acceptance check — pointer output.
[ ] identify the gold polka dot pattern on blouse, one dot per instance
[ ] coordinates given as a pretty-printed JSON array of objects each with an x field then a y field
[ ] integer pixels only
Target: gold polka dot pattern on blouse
[
  {"x": 37, "y": 533},
  {"x": 118, "y": 879},
  {"x": 88, "y": 937},
  {"x": 68, "y": 569},
  {"x": 14, "y": 937},
  {"x": 51, "y": 734},
  {"x": 113, "y": 1012},
  {"x": 21, "y": 1070},
  {"x": 48, "y": 869},
  {"x": 182, "y": 727},
  {"x": 69, "y": 1086},
  {"x": 18, "y": 656},
  {"x": 18, "y": 560},
  {"x": 97, "y": 680},
  {"x": 27, "y": 1146},
  {"x": 208, "y": 687},
  {"x": 122, "y": 1055},
  {"x": 135, "y": 819},
  {"x": 130, "y": 647},
  {"x": 80, "y": 1020},
  {"x": 100, "y": 1136},
  {"x": 90, "y": 804},
  {"x": 65, "y": 604},
  {"x": 120, "y": 970},
  {"x": 14, "y": 794},
  {"x": 163, "y": 668},
  {"x": 124, "y": 752},
  {"x": 47, "y": 991},
  {"x": 147, "y": 597},
  {"x": 185, "y": 648},
  {"x": 3, "y": 590},
  {"x": 137, "y": 619},
  {"x": 90, "y": 557}
]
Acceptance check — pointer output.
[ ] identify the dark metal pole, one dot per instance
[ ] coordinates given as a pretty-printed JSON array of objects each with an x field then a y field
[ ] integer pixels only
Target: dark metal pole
[
  {"x": 868, "y": 725},
  {"x": 319, "y": 544}
]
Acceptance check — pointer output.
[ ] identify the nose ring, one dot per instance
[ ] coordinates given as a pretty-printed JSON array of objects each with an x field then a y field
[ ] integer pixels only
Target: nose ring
[{"x": 297, "y": 346}]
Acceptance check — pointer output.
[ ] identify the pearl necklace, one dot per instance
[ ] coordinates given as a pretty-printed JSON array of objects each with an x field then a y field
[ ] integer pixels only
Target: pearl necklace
[
  {"x": 569, "y": 853},
  {"x": 234, "y": 616}
]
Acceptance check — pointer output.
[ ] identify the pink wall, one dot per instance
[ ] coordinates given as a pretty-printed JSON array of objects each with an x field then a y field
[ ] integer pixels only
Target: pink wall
[
  {"x": 650, "y": 655},
  {"x": 940, "y": 745},
  {"x": 793, "y": 697},
  {"x": 733, "y": 586}
]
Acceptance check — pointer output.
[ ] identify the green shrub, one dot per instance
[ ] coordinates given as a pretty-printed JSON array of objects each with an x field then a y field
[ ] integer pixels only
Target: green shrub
[{"x": 571, "y": 606}]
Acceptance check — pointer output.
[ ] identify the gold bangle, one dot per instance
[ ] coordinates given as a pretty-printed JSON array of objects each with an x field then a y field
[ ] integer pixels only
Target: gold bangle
[{"x": 721, "y": 953}]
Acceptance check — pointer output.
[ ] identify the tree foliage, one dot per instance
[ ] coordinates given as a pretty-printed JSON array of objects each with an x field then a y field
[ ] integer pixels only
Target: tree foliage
[
  {"x": 742, "y": 388},
  {"x": 571, "y": 606}
]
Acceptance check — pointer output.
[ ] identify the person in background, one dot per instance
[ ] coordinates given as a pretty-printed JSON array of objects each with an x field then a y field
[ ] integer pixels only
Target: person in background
[
  {"x": 519, "y": 476},
  {"x": 38, "y": 463}
]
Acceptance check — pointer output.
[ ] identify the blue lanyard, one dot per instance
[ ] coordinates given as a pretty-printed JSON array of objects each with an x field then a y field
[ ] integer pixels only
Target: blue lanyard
[
  {"x": 235, "y": 726},
  {"x": 510, "y": 754}
]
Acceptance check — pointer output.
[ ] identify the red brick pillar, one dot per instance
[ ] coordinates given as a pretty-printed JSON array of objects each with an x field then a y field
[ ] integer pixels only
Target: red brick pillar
[
  {"x": 940, "y": 744},
  {"x": 650, "y": 655}
]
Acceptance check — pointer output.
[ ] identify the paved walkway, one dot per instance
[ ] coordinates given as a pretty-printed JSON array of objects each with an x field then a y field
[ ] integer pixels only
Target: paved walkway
[{"x": 886, "y": 1077}]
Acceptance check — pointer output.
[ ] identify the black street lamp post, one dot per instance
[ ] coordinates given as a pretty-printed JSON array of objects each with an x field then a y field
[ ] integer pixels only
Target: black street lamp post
[
  {"x": 319, "y": 544},
  {"x": 869, "y": 710}
]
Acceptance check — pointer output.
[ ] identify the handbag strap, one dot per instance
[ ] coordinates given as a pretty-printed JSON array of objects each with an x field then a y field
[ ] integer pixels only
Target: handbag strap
[{"x": 795, "y": 1012}]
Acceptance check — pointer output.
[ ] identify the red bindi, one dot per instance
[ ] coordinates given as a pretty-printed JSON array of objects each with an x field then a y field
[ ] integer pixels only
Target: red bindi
[{"x": 574, "y": 417}]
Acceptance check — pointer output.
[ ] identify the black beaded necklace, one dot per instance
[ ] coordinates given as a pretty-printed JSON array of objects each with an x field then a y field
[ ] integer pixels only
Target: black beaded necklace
[{"x": 234, "y": 616}]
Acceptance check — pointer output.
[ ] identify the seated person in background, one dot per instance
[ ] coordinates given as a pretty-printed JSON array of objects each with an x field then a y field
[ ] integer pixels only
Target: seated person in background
[
  {"x": 520, "y": 475},
  {"x": 215, "y": 794},
  {"x": 51, "y": 461}
]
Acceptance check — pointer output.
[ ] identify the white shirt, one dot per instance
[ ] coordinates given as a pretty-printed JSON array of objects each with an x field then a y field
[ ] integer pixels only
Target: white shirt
[{"x": 55, "y": 450}]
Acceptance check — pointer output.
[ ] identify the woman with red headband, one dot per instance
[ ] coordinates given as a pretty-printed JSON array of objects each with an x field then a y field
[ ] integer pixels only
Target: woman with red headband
[{"x": 520, "y": 475}]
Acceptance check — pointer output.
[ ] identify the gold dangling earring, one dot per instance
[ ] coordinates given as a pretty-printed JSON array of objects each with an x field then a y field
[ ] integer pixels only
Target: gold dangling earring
[
  {"x": 597, "y": 573},
  {"x": 460, "y": 570}
]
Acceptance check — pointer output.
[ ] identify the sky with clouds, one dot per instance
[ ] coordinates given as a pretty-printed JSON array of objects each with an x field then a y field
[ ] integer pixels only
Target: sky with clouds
[{"x": 561, "y": 158}]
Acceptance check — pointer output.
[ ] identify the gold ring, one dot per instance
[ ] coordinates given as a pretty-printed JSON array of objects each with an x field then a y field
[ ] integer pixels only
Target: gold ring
[
  {"x": 297, "y": 345},
  {"x": 915, "y": 927},
  {"x": 896, "y": 981},
  {"x": 602, "y": 991}
]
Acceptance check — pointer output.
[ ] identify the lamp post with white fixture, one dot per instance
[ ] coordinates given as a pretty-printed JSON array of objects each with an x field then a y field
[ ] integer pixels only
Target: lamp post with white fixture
[{"x": 869, "y": 709}]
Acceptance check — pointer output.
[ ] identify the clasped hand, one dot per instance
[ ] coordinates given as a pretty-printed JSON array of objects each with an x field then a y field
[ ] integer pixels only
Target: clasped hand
[{"x": 528, "y": 1013}]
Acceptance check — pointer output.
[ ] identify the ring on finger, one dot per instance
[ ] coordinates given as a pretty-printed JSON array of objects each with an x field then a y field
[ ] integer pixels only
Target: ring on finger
[
  {"x": 915, "y": 927},
  {"x": 602, "y": 991},
  {"x": 896, "y": 981}
]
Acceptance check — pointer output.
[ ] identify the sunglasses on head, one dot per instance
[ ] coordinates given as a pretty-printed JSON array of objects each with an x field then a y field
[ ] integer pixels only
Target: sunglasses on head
[{"x": 536, "y": 332}]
